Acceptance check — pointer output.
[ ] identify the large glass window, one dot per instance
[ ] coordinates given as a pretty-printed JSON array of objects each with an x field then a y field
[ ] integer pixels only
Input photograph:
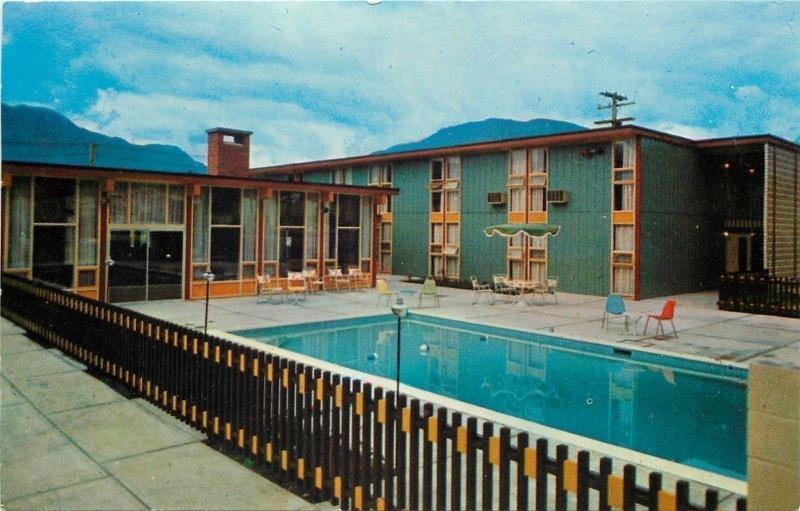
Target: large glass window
[
  {"x": 200, "y": 222},
  {"x": 270, "y": 229},
  {"x": 249, "y": 219},
  {"x": 53, "y": 253},
  {"x": 292, "y": 208},
  {"x": 312, "y": 203},
  {"x": 225, "y": 252},
  {"x": 349, "y": 210},
  {"x": 226, "y": 206},
  {"x": 148, "y": 203},
  {"x": 55, "y": 201},
  {"x": 118, "y": 203},
  {"x": 366, "y": 227}
]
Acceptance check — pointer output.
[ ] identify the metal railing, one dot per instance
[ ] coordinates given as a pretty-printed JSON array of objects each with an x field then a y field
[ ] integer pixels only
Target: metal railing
[
  {"x": 328, "y": 436},
  {"x": 760, "y": 293}
]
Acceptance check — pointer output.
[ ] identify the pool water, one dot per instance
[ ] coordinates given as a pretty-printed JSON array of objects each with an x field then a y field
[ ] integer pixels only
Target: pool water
[{"x": 681, "y": 410}]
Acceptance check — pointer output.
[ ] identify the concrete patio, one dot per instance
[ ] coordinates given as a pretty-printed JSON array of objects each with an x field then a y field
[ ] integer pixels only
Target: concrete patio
[
  {"x": 69, "y": 441},
  {"x": 703, "y": 330}
]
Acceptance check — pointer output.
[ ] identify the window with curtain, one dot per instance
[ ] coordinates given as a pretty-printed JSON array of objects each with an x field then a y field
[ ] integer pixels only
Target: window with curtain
[
  {"x": 624, "y": 154},
  {"x": 538, "y": 199},
  {"x": 623, "y": 280},
  {"x": 87, "y": 223},
  {"x": 366, "y": 227},
  {"x": 312, "y": 213},
  {"x": 454, "y": 167},
  {"x": 249, "y": 219},
  {"x": 453, "y": 237},
  {"x": 516, "y": 199},
  {"x": 226, "y": 231},
  {"x": 623, "y": 238},
  {"x": 453, "y": 204},
  {"x": 538, "y": 160},
  {"x": 517, "y": 165},
  {"x": 200, "y": 226},
  {"x": 148, "y": 203},
  {"x": 270, "y": 229},
  {"x": 118, "y": 203},
  {"x": 19, "y": 223},
  {"x": 175, "y": 204},
  {"x": 623, "y": 197}
]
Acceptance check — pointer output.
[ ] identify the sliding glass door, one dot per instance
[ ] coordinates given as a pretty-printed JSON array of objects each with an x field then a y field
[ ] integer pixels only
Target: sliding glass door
[{"x": 145, "y": 265}]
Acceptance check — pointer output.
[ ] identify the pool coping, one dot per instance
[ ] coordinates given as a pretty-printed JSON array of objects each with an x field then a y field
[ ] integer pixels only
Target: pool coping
[{"x": 629, "y": 455}]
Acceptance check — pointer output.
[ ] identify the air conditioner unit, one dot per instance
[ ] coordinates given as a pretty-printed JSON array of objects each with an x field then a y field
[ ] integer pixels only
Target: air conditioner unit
[
  {"x": 558, "y": 196},
  {"x": 496, "y": 198}
]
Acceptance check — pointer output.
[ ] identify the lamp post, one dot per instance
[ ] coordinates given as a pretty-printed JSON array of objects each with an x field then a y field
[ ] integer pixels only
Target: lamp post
[
  {"x": 399, "y": 309},
  {"x": 209, "y": 278}
]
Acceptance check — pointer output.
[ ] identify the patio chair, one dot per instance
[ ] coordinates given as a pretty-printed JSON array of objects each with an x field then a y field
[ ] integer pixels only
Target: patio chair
[
  {"x": 429, "y": 289},
  {"x": 615, "y": 306},
  {"x": 500, "y": 287},
  {"x": 315, "y": 283},
  {"x": 481, "y": 289},
  {"x": 666, "y": 314},
  {"x": 548, "y": 288},
  {"x": 297, "y": 284},
  {"x": 357, "y": 278},
  {"x": 383, "y": 290},
  {"x": 339, "y": 280},
  {"x": 269, "y": 287}
]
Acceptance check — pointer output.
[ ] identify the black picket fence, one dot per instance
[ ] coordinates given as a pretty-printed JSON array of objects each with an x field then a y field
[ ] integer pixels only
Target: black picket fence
[
  {"x": 760, "y": 293},
  {"x": 328, "y": 436}
]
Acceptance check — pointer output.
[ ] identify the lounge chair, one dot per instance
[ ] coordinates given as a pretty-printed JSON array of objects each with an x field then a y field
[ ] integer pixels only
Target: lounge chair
[
  {"x": 615, "y": 306},
  {"x": 269, "y": 287},
  {"x": 429, "y": 289},
  {"x": 383, "y": 290},
  {"x": 481, "y": 289},
  {"x": 298, "y": 285},
  {"x": 357, "y": 278},
  {"x": 315, "y": 283},
  {"x": 666, "y": 314},
  {"x": 339, "y": 280}
]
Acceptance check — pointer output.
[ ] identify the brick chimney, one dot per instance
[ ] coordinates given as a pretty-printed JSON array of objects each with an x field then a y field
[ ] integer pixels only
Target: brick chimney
[{"x": 228, "y": 152}]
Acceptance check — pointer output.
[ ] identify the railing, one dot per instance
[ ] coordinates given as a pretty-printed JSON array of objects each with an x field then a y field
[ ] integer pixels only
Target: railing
[
  {"x": 760, "y": 293},
  {"x": 326, "y": 436}
]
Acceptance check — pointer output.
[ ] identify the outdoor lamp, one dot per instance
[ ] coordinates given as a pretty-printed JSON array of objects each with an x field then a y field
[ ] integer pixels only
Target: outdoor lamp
[
  {"x": 399, "y": 309},
  {"x": 209, "y": 278}
]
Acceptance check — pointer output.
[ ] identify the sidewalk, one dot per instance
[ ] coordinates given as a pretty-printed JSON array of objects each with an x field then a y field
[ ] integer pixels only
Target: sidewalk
[{"x": 69, "y": 441}]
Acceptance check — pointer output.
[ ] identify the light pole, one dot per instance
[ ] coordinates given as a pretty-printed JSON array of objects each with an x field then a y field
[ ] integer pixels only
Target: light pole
[
  {"x": 399, "y": 309},
  {"x": 209, "y": 278}
]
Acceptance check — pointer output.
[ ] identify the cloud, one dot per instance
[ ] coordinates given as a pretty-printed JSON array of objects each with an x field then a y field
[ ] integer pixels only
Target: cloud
[{"x": 321, "y": 80}]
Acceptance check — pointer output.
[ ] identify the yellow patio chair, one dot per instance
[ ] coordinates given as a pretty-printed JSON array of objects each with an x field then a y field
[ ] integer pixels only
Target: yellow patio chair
[{"x": 383, "y": 290}]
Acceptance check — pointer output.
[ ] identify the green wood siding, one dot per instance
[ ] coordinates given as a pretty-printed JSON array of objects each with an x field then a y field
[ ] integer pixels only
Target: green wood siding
[
  {"x": 580, "y": 255},
  {"x": 679, "y": 251},
  {"x": 360, "y": 177},
  {"x": 410, "y": 218},
  {"x": 321, "y": 176},
  {"x": 482, "y": 256}
]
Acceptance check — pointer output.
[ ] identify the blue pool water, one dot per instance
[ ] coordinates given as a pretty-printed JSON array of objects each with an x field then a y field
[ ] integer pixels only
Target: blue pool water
[{"x": 681, "y": 410}]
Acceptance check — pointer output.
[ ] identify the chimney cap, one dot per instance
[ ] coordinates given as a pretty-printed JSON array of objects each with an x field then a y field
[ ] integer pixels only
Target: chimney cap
[{"x": 228, "y": 131}]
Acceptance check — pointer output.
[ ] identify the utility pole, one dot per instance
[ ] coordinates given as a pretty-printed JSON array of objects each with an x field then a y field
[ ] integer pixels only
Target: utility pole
[
  {"x": 92, "y": 153},
  {"x": 614, "y": 106}
]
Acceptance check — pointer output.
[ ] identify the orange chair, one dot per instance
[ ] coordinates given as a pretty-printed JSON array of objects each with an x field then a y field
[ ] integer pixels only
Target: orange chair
[{"x": 667, "y": 314}]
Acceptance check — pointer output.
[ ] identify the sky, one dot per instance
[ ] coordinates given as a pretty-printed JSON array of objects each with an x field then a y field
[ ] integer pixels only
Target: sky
[{"x": 333, "y": 79}]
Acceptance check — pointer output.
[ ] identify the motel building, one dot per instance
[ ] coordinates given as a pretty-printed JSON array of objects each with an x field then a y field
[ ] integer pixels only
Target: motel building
[
  {"x": 642, "y": 214},
  {"x": 125, "y": 235}
]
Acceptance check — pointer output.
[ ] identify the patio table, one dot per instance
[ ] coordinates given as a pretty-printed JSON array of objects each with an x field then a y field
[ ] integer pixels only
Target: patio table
[{"x": 522, "y": 287}]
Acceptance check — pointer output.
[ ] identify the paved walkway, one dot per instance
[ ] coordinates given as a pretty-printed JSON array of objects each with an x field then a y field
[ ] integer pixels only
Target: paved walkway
[{"x": 69, "y": 441}]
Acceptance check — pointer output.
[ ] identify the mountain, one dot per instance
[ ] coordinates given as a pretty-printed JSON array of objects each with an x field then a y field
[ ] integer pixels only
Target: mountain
[
  {"x": 40, "y": 135},
  {"x": 489, "y": 130}
]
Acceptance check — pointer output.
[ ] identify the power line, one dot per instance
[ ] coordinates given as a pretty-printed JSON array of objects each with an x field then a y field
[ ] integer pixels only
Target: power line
[{"x": 614, "y": 106}]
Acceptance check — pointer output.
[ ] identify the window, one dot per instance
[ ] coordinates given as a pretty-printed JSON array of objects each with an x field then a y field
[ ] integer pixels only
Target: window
[
  {"x": 87, "y": 224},
  {"x": 516, "y": 199},
  {"x": 374, "y": 175},
  {"x": 437, "y": 170},
  {"x": 454, "y": 168},
  {"x": 249, "y": 219},
  {"x": 386, "y": 178},
  {"x": 292, "y": 208},
  {"x": 453, "y": 205},
  {"x": 623, "y": 238},
  {"x": 437, "y": 231},
  {"x": 538, "y": 161},
  {"x": 517, "y": 167},
  {"x": 55, "y": 201},
  {"x": 451, "y": 267},
  {"x": 538, "y": 198},
  {"x": 118, "y": 203},
  {"x": 312, "y": 201},
  {"x": 270, "y": 235},
  {"x": 200, "y": 226},
  {"x": 349, "y": 210},
  {"x": 224, "y": 256},
  {"x": 623, "y": 197},
  {"x": 19, "y": 223},
  {"x": 453, "y": 234},
  {"x": 386, "y": 232},
  {"x": 623, "y": 280},
  {"x": 623, "y": 154},
  {"x": 226, "y": 206},
  {"x": 436, "y": 202}
]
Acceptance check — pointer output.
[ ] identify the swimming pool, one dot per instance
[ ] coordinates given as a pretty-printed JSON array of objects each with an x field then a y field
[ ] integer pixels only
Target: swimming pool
[{"x": 682, "y": 410}]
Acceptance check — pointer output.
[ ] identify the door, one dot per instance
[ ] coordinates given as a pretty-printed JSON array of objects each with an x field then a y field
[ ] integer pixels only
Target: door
[
  {"x": 291, "y": 250},
  {"x": 147, "y": 265},
  {"x": 738, "y": 253}
]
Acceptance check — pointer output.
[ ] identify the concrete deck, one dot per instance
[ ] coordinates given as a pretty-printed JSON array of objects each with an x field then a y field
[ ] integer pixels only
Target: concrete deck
[
  {"x": 69, "y": 441},
  {"x": 703, "y": 330}
]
